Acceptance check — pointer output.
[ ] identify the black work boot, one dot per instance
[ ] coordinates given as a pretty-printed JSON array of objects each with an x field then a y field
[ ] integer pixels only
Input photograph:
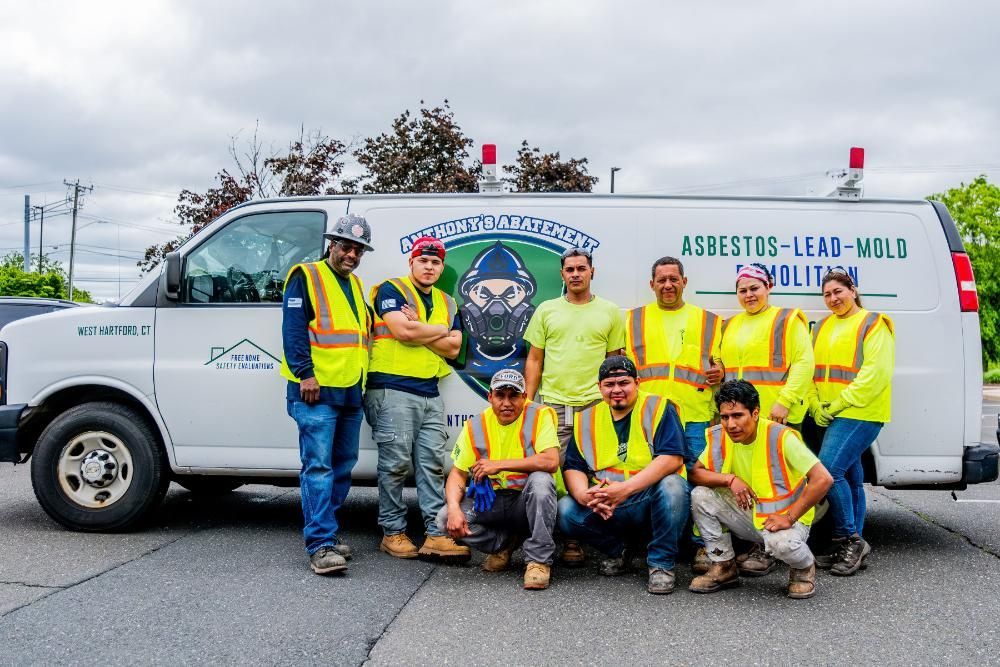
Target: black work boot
[
  {"x": 852, "y": 555},
  {"x": 826, "y": 560}
]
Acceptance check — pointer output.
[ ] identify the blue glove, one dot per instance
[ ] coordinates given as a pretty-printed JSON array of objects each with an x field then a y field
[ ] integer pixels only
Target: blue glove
[{"x": 482, "y": 495}]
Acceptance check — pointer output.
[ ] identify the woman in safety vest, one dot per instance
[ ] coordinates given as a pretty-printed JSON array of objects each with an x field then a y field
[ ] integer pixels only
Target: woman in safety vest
[
  {"x": 769, "y": 347},
  {"x": 855, "y": 353}
]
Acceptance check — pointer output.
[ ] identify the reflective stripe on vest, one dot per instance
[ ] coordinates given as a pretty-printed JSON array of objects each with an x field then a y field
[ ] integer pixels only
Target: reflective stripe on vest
[
  {"x": 783, "y": 496},
  {"x": 323, "y": 334},
  {"x": 778, "y": 371},
  {"x": 844, "y": 374},
  {"x": 586, "y": 436},
  {"x": 479, "y": 435},
  {"x": 647, "y": 371}
]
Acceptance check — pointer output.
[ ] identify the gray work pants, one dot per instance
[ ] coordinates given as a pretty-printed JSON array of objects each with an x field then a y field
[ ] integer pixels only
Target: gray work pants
[
  {"x": 564, "y": 423},
  {"x": 715, "y": 509},
  {"x": 530, "y": 513}
]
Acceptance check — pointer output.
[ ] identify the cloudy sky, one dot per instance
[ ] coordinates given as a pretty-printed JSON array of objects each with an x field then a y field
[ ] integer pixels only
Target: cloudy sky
[{"x": 140, "y": 99}]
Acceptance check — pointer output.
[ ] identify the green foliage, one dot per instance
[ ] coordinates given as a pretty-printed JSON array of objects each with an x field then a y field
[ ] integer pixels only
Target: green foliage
[
  {"x": 535, "y": 171},
  {"x": 992, "y": 376},
  {"x": 426, "y": 152},
  {"x": 976, "y": 209},
  {"x": 50, "y": 284}
]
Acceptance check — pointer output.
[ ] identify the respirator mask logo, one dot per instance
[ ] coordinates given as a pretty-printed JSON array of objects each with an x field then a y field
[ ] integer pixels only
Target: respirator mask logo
[{"x": 493, "y": 323}]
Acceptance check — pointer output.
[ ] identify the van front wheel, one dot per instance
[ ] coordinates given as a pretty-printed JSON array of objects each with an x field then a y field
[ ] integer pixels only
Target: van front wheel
[{"x": 98, "y": 467}]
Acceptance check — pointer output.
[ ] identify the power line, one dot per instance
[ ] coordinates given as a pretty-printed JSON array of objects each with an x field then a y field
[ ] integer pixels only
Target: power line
[{"x": 138, "y": 191}]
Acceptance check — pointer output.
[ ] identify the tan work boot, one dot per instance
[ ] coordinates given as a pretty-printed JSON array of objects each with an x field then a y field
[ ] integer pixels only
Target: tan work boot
[
  {"x": 802, "y": 583},
  {"x": 701, "y": 561},
  {"x": 536, "y": 576},
  {"x": 499, "y": 561},
  {"x": 572, "y": 554},
  {"x": 399, "y": 546},
  {"x": 720, "y": 575},
  {"x": 442, "y": 546},
  {"x": 756, "y": 562}
]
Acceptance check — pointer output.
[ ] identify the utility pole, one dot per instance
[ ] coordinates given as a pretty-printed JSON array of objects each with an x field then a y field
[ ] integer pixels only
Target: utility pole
[
  {"x": 72, "y": 237},
  {"x": 27, "y": 233},
  {"x": 41, "y": 230},
  {"x": 613, "y": 170}
]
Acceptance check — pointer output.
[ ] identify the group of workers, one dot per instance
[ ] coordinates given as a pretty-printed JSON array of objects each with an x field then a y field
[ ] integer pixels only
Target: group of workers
[{"x": 645, "y": 422}]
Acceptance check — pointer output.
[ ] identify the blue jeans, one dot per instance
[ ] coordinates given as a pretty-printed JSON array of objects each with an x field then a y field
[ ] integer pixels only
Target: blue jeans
[
  {"x": 408, "y": 429},
  {"x": 660, "y": 511},
  {"x": 844, "y": 442},
  {"x": 328, "y": 448},
  {"x": 694, "y": 442}
]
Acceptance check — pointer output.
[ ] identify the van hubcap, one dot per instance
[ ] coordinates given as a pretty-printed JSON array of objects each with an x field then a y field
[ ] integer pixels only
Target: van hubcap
[{"x": 95, "y": 469}]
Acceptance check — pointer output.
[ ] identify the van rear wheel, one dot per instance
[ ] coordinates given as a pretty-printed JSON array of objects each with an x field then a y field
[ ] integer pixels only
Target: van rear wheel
[{"x": 98, "y": 467}]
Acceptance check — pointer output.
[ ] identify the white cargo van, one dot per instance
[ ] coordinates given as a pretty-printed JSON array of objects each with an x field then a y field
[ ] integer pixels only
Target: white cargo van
[{"x": 180, "y": 381}]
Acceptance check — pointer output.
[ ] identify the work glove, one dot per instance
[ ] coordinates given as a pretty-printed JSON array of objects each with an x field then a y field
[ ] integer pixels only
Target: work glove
[
  {"x": 838, "y": 406},
  {"x": 822, "y": 417},
  {"x": 482, "y": 495},
  {"x": 814, "y": 408}
]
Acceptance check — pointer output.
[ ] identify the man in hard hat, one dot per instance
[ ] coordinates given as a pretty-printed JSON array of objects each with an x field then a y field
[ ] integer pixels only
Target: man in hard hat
[
  {"x": 512, "y": 446},
  {"x": 675, "y": 346},
  {"x": 325, "y": 329},
  {"x": 758, "y": 481},
  {"x": 570, "y": 336},
  {"x": 625, "y": 475},
  {"x": 496, "y": 290},
  {"x": 416, "y": 329}
]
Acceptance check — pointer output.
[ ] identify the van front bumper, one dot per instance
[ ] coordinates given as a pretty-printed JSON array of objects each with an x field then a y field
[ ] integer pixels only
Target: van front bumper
[{"x": 10, "y": 419}]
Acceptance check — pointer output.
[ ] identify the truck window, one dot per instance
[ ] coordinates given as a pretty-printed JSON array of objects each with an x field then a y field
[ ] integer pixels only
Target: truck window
[{"x": 247, "y": 261}]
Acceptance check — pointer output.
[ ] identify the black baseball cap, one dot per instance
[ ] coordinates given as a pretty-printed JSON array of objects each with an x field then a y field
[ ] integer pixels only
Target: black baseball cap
[{"x": 617, "y": 365}]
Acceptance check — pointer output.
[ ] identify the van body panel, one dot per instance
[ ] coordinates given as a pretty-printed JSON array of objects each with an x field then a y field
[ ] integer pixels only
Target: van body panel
[{"x": 215, "y": 378}]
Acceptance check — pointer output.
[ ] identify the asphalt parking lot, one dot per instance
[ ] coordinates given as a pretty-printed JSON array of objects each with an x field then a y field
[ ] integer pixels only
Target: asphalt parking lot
[{"x": 225, "y": 581}]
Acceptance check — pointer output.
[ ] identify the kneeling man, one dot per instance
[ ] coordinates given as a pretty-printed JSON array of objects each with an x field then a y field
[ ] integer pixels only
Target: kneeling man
[
  {"x": 624, "y": 472},
  {"x": 514, "y": 446},
  {"x": 758, "y": 481}
]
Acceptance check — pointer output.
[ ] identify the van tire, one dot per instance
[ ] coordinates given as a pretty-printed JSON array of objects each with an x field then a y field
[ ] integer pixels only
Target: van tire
[
  {"x": 98, "y": 467},
  {"x": 206, "y": 485}
]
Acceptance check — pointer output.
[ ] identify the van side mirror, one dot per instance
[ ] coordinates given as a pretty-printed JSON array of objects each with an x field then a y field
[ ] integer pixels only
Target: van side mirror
[{"x": 172, "y": 274}]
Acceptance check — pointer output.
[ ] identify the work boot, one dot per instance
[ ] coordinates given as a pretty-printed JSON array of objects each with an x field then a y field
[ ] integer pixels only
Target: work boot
[
  {"x": 399, "y": 546},
  {"x": 756, "y": 562},
  {"x": 499, "y": 561},
  {"x": 826, "y": 560},
  {"x": 701, "y": 561},
  {"x": 613, "y": 567},
  {"x": 536, "y": 576},
  {"x": 802, "y": 583},
  {"x": 572, "y": 554},
  {"x": 442, "y": 546},
  {"x": 661, "y": 582},
  {"x": 852, "y": 556},
  {"x": 721, "y": 574},
  {"x": 326, "y": 560},
  {"x": 342, "y": 548}
]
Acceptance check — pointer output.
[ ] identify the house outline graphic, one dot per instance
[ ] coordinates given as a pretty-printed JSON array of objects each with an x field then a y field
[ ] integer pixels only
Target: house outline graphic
[{"x": 225, "y": 351}]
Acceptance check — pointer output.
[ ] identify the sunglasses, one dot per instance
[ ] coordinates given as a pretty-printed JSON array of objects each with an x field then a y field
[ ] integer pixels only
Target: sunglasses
[
  {"x": 836, "y": 272},
  {"x": 348, "y": 246}
]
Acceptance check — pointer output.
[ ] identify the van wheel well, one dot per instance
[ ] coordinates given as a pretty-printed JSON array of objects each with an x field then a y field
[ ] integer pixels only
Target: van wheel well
[{"x": 61, "y": 401}]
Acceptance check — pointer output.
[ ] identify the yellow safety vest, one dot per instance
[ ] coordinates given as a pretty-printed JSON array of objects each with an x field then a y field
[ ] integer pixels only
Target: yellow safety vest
[
  {"x": 338, "y": 341},
  {"x": 417, "y": 361},
  {"x": 775, "y": 486},
  {"x": 597, "y": 440},
  {"x": 766, "y": 361},
  {"x": 484, "y": 430},
  {"x": 682, "y": 379},
  {"x": 838, "y": 362}
]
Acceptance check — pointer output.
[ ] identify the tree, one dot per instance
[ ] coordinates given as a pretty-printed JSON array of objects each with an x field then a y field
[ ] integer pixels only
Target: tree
[
  {"x": 535, "y": 171},
  {"x": 976, "y": 210},
  {"x": 426, "y": 152},
  {"x": 312, "y": 166},
  {"x": 51, "y": 283}
]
